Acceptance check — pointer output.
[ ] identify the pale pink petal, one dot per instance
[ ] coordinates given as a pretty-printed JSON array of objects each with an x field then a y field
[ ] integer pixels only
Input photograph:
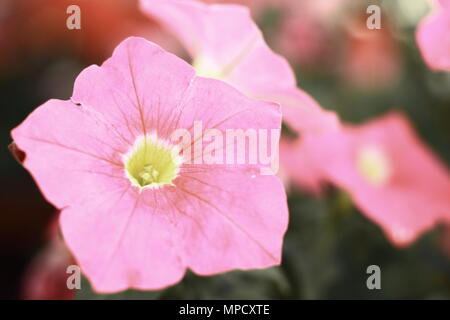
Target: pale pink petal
[
  {"x": 302, "y": 113},
  {"x": 218, "y": 237},
  {"x": 433, "y": 38},
  {"x": 70, "y": 148},
  {"x": 299, "y": 166},
  {"x": 444, "y": 3},
  {"x": 303, "y": 116},
  {"x": 123, "y": 90},
  {"x": 121, "y": 243},
  {"x": 237, "y": 111},
  {"x": 261, "y": 71},
  {"x": 206, "y": 31}
]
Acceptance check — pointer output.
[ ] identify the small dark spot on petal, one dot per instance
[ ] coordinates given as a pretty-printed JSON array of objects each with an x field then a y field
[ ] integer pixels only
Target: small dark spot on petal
[{"x": 18, "y": 154}]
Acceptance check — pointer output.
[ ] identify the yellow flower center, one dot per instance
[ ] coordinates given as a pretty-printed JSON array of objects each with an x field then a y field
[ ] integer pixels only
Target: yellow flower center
[
  {"x": 373, "y": 164},
  {"x": 152, "y": 162},
  {"x": 207, "y": 68}
]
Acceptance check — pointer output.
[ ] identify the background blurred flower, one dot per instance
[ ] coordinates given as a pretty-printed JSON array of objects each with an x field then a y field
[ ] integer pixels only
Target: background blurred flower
[
  {"x": 371, "y": 58},
  {"x": 433, "y": 36},
  {"x": 298, "y": 167},
  {"x": 390, "y": 174},
  {"x": 302, "y": 39}
]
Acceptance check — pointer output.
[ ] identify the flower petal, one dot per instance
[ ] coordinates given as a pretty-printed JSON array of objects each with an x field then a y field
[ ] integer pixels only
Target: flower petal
[
  {"x": 69, "y": 148},
  {"x": 433, "y": 38},
  {"x": 223, "y": 108},
  {"x": 122, "y": 243},
  {"x": 125, "y": 90},
  {"x": 299, "y": 167},
  {"x": 207, "y": 31},
  {"x": 236, "y": 219}
]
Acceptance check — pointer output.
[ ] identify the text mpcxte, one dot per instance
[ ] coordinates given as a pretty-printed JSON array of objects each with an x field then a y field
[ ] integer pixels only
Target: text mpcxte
[{"x": 246, "y": 309}]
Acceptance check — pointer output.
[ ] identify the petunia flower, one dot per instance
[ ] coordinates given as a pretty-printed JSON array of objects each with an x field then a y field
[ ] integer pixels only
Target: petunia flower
[
  {"x": 433, "y": 36},
  {"x": 137, "y": 210},
  {"x": 390, "y": 174},
  {"x": 224, "y": 43}
]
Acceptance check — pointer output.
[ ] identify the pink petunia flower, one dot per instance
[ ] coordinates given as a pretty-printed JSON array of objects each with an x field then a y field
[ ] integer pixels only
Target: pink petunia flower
[
  {"x": 433, "y": 37},
  {"x": 390, "y": 174},
  {"x": 224, "y": 43},
  {"x": 136, "y": 211}
]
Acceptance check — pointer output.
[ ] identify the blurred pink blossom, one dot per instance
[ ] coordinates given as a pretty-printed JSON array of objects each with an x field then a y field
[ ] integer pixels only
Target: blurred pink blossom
[
  {"x": 433, "y": 37},
  {"x": 371, "y": 57},
  {"x": 302, "y": 39},
  {"x": 302, "y": 33},
  {"x": 390, "y": 174},
  {"x": 298, "y": 168}
]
